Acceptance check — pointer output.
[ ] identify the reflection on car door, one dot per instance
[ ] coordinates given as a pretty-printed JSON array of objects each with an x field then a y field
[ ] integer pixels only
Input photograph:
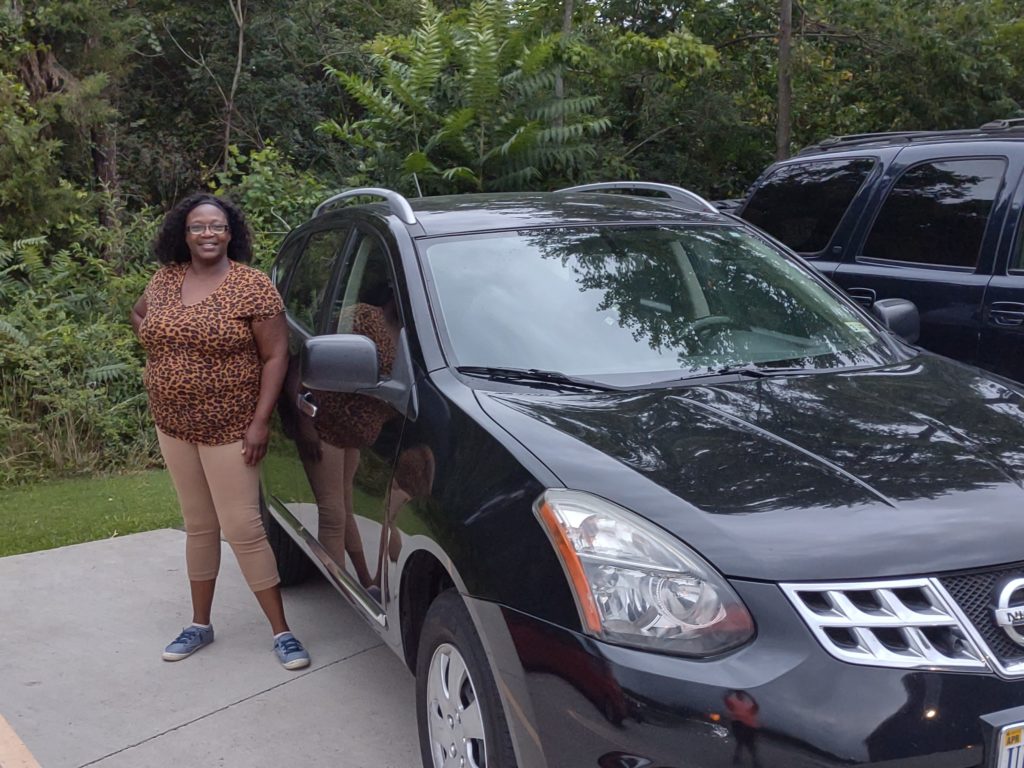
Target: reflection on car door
[
  {"x": 343, "y": 446},
  {"x": 304, "y": 282},
  {"x": 933, "y": 242}
]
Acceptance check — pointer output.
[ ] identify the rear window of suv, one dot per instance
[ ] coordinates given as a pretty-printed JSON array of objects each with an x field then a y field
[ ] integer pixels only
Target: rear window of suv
[
  {"x": 802, "y": 204},
  {"x": 936, "y": 213}
]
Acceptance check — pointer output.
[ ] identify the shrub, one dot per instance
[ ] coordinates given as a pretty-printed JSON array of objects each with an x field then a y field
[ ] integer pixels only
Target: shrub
[
  {"x": 71, "y": 397},
  {"x": 274, "y": 195}
]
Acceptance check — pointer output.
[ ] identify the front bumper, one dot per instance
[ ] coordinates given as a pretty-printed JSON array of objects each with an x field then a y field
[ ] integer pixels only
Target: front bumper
[{"x": 573, "y": 702}]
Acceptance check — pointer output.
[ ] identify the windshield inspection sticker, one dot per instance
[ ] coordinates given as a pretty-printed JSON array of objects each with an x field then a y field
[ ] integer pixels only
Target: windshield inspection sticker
[{"x": 858, "y": 327}]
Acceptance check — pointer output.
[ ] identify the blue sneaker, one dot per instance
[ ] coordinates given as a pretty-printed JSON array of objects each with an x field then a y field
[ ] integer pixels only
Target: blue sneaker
[
  {"x": 191, "y": 639},
  {"x": 290, "y": 652}
]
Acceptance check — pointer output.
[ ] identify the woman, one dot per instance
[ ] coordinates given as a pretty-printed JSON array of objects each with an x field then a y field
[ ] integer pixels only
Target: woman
[{"x": 217, "y": 352}]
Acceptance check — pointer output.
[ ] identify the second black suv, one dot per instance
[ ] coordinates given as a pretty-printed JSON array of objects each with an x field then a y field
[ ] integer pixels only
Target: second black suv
[{"x": 933, "y": 217}]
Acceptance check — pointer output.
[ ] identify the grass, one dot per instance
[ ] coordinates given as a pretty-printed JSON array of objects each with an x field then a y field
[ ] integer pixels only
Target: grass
[{"x": 61, "y": 512}]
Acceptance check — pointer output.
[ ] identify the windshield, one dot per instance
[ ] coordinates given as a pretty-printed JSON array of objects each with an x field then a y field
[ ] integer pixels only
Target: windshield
[{"x": 664, "y": 302}]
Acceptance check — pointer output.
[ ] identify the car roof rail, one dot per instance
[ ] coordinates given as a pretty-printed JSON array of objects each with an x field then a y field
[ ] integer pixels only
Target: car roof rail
[
  {"x": 1004, "y": 124},
  {"x": 677, "y": 194},
  {"x": 397, "y": 203},
  {"x": 1011, "y": 125},
  {"x": 890, "y": 137}
]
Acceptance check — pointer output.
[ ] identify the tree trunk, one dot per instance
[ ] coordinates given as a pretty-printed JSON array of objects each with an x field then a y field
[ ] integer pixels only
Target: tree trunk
[
  {"x": 103, "y": 140},
  {"x": 784, "y": 128},
  {"x": 567, "y": 9},
  {"x": 238, "y": 11}
]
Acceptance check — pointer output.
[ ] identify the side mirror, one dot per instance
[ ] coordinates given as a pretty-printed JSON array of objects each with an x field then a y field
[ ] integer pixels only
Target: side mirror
[
  {"x": 339, "y": 363},
  {"x": 347, "y": 362},
  {"x": 899, "y": 316}
]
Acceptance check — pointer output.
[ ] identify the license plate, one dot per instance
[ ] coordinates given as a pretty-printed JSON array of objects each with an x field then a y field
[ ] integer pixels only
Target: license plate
[{"x": 1011, "y": 746}]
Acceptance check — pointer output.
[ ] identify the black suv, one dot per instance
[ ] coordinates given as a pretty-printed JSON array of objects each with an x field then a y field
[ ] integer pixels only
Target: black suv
[
  {"x": 626, "y": 484},
  {"x": 933, "y": 217}
]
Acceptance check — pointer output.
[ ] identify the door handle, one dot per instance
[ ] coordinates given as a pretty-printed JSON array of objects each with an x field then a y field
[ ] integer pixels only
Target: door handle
[
  {"x": 304, "y": 402},
  {"x": 865, "y": 296},
  {"x": 1007, "y": 313}
]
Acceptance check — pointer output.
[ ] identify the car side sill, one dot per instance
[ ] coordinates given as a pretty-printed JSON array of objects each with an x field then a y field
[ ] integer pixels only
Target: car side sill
[{"x": 337, "y": 577}]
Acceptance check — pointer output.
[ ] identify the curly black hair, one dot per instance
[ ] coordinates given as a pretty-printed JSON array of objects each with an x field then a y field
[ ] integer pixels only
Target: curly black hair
[{"x": 170, "y": 246}]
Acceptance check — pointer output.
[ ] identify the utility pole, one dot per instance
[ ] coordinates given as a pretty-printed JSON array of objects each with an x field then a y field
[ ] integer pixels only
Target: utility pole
[
  {"x": 784, "y": 128},
  {"x": 567, "y": 9}
]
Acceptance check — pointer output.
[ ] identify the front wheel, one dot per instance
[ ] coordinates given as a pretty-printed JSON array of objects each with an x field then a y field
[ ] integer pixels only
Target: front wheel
[{"x": 461, "y": 721}]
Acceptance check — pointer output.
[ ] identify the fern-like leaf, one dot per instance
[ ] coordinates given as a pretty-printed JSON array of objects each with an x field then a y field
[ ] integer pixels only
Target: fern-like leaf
[
  {"x": 103, "y": 374},
  {"x": 430, "y": 57},
  {"x": 481, "y": 51},
  {"x": 13, "y": 333}
]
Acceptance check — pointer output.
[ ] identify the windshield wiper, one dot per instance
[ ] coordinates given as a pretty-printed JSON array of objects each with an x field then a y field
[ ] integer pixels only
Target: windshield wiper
[
  {"x": 748, "y": 370},
  {"x": 534, "y": 375}
]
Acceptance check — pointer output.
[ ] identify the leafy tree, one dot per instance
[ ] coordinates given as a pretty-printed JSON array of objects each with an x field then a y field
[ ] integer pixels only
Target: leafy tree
[
  {"x": 275, "y": 196},
  {"x": 72, "y": 56},
  {"x": 32, "y": 196},
  {"x": 644, "y": 59},
  {"x": 188, "y": 58},
  {"x": 928, "y": 66},
  {"x": 466, "y": 101}
]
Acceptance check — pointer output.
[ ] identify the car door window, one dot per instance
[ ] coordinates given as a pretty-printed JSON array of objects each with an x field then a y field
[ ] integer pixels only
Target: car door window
[
  {"x": 1017, "y": 258},
  {"x": 312, "y": 275},
  {"x": 282, "y": 267},
  {"x": 802, "y": 204},
  {"x": 936, "y": 213},
  {"x": 365, "y": 302}
]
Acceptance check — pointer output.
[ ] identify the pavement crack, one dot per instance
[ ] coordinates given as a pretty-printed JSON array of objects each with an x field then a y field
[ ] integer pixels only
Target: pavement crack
[{"x": 226, "y": 707}]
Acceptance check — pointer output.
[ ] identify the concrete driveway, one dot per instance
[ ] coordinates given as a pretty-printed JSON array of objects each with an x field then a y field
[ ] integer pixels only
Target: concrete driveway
[{"x": 82, "y": 682}]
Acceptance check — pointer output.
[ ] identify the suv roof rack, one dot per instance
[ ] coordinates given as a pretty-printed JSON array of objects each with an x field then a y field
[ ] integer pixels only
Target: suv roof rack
[
  {"x": 397, "y": 204},
  {"x": 678, "y": 194},
  {"x": 1013, "y": 125}
]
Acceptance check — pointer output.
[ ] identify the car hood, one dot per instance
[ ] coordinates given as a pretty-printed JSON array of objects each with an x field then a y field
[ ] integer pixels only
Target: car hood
[{"x": 909, "y": 469}]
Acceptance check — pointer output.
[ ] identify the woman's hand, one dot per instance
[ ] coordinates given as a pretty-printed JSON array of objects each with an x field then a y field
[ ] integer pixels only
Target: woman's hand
[
  {"x": 139, "y": 313},
  {"x": 254, "y": 443}
]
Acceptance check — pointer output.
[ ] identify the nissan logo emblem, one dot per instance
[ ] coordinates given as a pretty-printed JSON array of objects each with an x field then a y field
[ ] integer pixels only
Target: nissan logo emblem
[{"x": 1011, "y": 618}]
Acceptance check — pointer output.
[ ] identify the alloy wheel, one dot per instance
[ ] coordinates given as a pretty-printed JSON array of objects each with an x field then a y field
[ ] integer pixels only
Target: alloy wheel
[{"x": 454, "y": 717}]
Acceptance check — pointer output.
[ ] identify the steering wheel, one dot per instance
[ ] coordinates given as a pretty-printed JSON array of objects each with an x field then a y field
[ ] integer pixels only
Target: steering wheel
[{"x": 704, "y": 326}]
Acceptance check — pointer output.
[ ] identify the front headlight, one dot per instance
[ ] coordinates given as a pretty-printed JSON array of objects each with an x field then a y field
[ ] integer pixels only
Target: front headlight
[{"x": 637, "y": 585}]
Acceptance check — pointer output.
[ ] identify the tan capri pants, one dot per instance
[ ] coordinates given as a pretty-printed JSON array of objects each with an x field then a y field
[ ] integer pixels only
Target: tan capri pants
[{"x": 218, "y": 490}]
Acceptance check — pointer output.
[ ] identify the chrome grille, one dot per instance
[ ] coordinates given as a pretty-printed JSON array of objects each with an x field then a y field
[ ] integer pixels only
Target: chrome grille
[
  {"x": 906, "y": 623},
  {"x": 975, "y": 593}
]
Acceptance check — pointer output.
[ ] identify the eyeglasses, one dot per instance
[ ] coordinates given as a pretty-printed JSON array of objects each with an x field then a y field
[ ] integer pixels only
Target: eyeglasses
[{"x": 198, "y": 229}]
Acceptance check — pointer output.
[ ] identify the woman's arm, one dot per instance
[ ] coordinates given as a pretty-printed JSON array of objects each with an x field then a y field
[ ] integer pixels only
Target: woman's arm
[
  {"x": 272, "y": 344},
  {"x": 139, "y": 313}
]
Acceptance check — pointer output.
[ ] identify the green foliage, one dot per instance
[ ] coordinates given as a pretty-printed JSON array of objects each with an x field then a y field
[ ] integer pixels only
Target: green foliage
[
  {"x": 929, "y": 66},
  {"x": 467, "y": 102},
  {"x": 173, "y": 108},
  {"x": 71, "y": 398},
  {"x": 274, "y": 195},
  {"x": 31, "y": 192}
]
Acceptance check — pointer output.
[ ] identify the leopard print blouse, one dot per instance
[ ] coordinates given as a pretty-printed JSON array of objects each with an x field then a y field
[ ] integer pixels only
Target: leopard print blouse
[{"x": 202, "y": 365}]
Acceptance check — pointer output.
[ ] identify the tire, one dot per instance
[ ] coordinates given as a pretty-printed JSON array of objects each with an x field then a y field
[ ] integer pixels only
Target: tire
[
  {"x": 461, "y": 720},
  {"x": 293, "y": 565}
]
